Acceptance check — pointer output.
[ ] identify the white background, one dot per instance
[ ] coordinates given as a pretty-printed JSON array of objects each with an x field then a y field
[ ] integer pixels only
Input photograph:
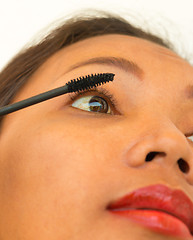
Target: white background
[{"x": 20, "y": 20}]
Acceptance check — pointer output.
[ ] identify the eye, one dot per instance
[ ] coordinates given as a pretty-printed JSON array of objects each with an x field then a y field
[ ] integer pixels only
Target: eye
[
  {"x": 92, "y": 104},
  {"x": 190, "y": 138},
  {"x": 98, "y": 101}
]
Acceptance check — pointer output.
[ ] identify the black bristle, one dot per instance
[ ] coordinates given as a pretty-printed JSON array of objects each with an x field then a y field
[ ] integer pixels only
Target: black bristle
[{"x": 89, "y": 81}]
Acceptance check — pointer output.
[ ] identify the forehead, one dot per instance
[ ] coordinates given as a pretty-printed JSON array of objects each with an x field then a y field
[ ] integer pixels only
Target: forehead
[
  {"x": 150, "y": 56},
  {"x": 159, "y": 64},
  {"x": 116, "y": 45}
]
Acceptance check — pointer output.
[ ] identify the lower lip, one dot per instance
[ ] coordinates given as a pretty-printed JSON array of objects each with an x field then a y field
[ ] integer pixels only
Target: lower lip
[{"x": 157, "y": 221}]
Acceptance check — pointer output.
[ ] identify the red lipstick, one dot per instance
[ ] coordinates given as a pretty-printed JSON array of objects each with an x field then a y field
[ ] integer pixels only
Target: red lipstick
[{"x": 159, "y": 208}]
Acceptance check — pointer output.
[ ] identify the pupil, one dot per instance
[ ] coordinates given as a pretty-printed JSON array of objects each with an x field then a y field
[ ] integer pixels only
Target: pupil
[{"x": 98, "y": 104}]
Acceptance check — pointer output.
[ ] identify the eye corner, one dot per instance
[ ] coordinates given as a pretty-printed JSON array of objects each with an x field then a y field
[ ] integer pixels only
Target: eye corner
[{"x": 189, "y": 137}]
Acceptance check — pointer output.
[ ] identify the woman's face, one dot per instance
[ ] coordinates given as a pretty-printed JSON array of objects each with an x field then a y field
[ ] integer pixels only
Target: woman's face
[{"x": 63, "y": 161}]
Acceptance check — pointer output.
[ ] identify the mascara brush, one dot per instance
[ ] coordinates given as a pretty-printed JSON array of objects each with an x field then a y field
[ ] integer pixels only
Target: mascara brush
[{"x": 74, "y": 85}]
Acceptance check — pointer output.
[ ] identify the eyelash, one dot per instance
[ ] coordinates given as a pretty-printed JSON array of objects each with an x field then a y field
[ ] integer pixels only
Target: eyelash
[{"x": 101, "y": 91}]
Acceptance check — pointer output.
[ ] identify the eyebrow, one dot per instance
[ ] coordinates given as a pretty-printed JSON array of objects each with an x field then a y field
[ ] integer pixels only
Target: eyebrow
[
  {"x": 122, "y": 63},
  {"x": 125, "y": 65}
]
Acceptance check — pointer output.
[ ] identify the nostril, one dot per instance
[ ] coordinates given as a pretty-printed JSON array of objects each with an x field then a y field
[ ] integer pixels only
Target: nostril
[
  {"x": 150, "y": 156},
  {"x": 184, "y": 167}
]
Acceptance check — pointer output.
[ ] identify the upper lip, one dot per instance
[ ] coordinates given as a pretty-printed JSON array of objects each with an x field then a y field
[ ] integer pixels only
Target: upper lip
[{"x": 161, "y": 198}]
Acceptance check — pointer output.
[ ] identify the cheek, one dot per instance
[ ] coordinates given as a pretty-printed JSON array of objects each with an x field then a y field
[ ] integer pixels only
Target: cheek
[{"x": 46, "y": 174}]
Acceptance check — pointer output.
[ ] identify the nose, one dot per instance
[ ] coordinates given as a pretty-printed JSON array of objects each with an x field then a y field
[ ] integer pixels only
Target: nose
[{"x": 168, "y": 147}]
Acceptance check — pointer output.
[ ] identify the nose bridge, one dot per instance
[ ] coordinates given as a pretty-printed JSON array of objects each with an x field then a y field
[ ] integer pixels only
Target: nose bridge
[
  {"x": 152, "y": 124},
  {"x": 158, "y": 110},
  {"x": 161, "y": 139}
]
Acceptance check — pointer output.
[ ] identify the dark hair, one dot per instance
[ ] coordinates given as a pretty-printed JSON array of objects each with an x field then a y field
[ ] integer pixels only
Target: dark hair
[{"x": 23, "y": 65}]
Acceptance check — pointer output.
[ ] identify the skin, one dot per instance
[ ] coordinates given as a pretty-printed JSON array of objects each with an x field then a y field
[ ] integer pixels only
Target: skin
[{"x": 61, "y": 165}]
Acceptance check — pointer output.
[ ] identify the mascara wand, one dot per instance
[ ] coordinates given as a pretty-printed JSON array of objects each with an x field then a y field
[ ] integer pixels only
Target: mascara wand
[{"x": 74, "y": 85}]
